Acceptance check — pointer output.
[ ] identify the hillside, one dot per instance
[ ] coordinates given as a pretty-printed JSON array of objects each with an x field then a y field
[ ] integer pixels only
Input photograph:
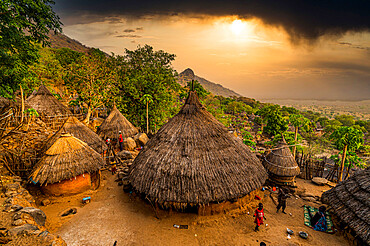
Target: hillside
[
  {"x": 216, "y": 89},
  {"x": 62, "y": 41}
]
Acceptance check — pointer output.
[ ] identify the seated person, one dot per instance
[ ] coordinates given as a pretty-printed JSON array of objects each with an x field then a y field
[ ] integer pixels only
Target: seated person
[{"x": 318, "y": 221}]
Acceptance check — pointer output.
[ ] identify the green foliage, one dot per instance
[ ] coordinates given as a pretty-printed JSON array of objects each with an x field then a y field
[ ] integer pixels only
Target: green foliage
[
  {"x": 145, "y": 71},
  {"x": 31, "y": 112},
  {"x": 289, "y": 138},
  {"x": 23, "y": 24},
  {"x": 345, "y": 120},
  {"x": 364, "y": 124},
  {"x": 347, "y": 136},
  {"x": 352, "y": 159},
  {"x": 331, "y": 126},
  {"x": 93, "y": 78},
  {"x": 275, "y": 122},
  {"x": 248, "y": 139},
  {"x": 238, "y": 107}
]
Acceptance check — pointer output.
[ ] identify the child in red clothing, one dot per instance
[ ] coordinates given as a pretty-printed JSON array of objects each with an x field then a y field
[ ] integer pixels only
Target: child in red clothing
[{"x": 260, "y": 215}]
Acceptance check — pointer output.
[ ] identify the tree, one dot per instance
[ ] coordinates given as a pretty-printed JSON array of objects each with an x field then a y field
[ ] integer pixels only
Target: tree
[
  {"x": 147, "y": 99},
  {"x": 23, "y": 24},
  {"x": 274, "y": 120},
  {"x": 346, "y": 120},
  {"x": 346, "y": 139},
  {"x": 145, "y": 71},
  {"x": 297, "y": 120},
  {"x": 93, "y": 78}
]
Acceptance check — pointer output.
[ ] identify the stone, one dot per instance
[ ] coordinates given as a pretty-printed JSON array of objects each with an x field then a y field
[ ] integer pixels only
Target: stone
[
  {"x": 307, "y": 194},
  {"x": 141, "y": 139},
  {"x": 124, "y": 155},
  {"x": 319, "y": 181},
  {"x": 129, "y": 144},
  {"x": 45, "y": 202},
  {"x": 309, "y": 199},
  {"x": 68, "y": 211},
  {"x": 18, "y": 222},
  {"x": 12, "y": 186},
  {"x": 26, "y": 228},
  {"x": 16, "y": 207},
  {"x": 37, "y": 214}
]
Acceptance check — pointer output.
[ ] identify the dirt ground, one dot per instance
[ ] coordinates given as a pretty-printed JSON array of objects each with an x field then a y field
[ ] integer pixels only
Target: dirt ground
[{"x": 114, "y": 215}]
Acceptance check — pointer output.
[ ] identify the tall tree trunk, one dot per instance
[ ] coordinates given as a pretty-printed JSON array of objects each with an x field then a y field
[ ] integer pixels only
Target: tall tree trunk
[
  {"x": 147, "y": 117},
  {"x": 340, "y": 176},
  {"x": 22, "y": 109},
  {"x": 295, "y": 140},
  {"x": 87, "y": 119}
]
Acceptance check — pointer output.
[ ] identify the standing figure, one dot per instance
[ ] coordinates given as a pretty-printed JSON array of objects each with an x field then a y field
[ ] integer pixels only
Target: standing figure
[
  {"x": 282, "y": 200},
  {"x": 120, "y": 139},
  {"x": 260, "y": 215}
]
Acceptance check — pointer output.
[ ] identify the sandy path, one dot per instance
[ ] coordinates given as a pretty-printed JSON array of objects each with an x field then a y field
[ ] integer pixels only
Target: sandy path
[{"x": 113, "y": 215}]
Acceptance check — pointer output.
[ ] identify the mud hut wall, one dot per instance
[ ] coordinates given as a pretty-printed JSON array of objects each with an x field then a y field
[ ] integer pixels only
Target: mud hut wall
[{"x": 71, "y": 186}]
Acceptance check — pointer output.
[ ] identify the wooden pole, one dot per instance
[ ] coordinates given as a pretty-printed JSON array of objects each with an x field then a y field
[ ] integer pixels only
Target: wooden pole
[
  {"x": 295, "y": 140},
  {"x": 22, "y": 109},
  {"x": 340, "y": 176}
]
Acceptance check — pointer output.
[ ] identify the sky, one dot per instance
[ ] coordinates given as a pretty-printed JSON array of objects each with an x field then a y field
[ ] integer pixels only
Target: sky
[{"x": 264, "y": 49}]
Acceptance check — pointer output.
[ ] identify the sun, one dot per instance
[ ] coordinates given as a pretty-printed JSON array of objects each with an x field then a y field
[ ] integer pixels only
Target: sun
[{"x": 237, "y": 27}]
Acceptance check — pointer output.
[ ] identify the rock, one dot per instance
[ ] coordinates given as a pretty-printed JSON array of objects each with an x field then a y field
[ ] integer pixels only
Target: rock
[
  {"x": 18, "y": 222},
  {"x": 307, "y": 194},
  {"x": 69, "y": 212},
  {"x": 319, "y": 181},
  {"x": 16, "y": 207},
  {"x": 129, "y": 144},
  {"x": 309, "y": 199},
  {"x": 141, "y": 139},
  {"x": 37, "y": 214},
  {"x": 124, "y": 155},
  {"x": 12, "y": 187},
  {"x": 19, "y": 230},
  {"x": 45, "y": 202}
]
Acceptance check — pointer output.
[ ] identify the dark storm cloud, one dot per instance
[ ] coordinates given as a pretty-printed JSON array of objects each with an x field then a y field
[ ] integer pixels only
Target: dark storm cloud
[{"x": 300, "y": 18}]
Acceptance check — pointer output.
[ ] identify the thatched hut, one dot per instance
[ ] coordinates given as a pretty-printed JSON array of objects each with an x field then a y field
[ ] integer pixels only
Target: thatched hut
[
  {"x": 46, "y": 104},
  {"x": 114, "y": 123},
  {"x": 350, "y": 201},
  {"x": 69, "y": 166},
  {"x": 281, "y": 165},
  {"x": 77, "y": 129},
  {"x": 194, "y": 162}
]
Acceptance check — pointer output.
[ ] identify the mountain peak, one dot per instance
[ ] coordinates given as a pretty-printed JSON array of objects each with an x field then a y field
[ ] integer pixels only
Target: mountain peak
[
  {"x": 188, "y": 73},
  {"x": 216, "y": 89}
]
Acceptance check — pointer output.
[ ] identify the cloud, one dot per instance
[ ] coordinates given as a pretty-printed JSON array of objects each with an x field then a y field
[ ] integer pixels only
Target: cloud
[
  {"x": 303, "y": 20},
  {"x": 128, "y": 36}
]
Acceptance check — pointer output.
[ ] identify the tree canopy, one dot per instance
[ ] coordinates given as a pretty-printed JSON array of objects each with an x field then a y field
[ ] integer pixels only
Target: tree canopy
[{"x": 23, "y": 25}]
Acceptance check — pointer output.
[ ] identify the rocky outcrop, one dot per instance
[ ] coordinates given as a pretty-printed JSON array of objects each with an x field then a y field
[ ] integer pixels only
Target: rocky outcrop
[
  {"x": 27, "y": 221},
  {"x": 129, "y": 144},
  {"x": 141, "y": 139}
]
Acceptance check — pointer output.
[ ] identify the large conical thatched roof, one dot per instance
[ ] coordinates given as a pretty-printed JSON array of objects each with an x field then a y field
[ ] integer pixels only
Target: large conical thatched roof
[
  {"x": 194, "y": 160},
  {"x": 74, "y": 127},
  {"x": 65, "y": 159},
  {"x": 280, "y": 161},
  {"x": 114, "y": 123},
  {"x": 350, "y": 200},
  {"x": 45, "y": 103}
]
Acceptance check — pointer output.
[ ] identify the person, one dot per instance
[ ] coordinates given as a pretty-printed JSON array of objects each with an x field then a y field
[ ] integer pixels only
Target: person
[
  {"x": 282, "y": 200},
  {"x": 120, "y": 139},
  {"x": 113, "y": 167},
  {"x": 318, "y": 221},
  {"x": 260, "y": 215}
]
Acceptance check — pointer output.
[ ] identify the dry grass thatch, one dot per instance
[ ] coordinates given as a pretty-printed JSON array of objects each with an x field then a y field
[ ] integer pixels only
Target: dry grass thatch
[
  {"x": 280, "y": 161},
  {"x": 65, "y": 159},
  {"x": 114, "y": 123},
  {"x": 45, "y": 103},
  {"x": 193, "y": 160},
  {"x": 77, "y": 129},
  {"x": 350, "y": 200}
]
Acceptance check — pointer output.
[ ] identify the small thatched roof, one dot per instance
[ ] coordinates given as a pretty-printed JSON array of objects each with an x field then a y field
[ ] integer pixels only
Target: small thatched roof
[
  {"x": 114, "y": 123},
  {"x": 77, "y": 129},
  {"x": 280, "y": 161},
  {"x": 65, "y": 159},
  {"x": 45, "y": 103},
  {"x": 350, "y": 200},
  {"x": 193, "y": 160}
]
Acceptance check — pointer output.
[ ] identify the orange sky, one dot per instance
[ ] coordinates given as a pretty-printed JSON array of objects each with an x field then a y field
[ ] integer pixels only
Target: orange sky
[{"x": 247, "y": 56}]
